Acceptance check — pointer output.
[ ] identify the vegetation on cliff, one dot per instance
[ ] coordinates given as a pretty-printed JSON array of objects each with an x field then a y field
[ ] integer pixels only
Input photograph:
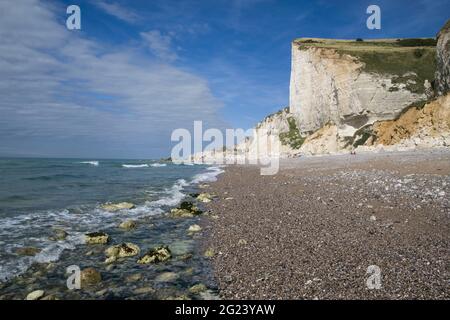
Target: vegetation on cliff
[
  {"x": 292, "y": 137},
  {"x": 409, "y": 61}
]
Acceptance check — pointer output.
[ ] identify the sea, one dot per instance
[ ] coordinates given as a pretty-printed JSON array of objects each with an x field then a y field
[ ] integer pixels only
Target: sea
[{"x": 38, "y": 196}]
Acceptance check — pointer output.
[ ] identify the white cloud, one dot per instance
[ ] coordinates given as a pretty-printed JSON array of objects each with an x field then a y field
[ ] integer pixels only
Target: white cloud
[
  {"x": 160, "y": 45},
  {"x": 116, "y": 10},
  {"x": 57, "y": 87}
]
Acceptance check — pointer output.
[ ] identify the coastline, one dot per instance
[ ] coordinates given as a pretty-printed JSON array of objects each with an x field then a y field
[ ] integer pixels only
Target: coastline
[
  {"x": 312, "y": 230},
  {"x": 148, "y": 225}
]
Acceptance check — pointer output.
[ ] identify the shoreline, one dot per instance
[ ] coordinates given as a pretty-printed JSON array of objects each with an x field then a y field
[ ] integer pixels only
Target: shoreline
[
  {"x": 313, "y": 230},
  {"x": 125, "y": 278}
]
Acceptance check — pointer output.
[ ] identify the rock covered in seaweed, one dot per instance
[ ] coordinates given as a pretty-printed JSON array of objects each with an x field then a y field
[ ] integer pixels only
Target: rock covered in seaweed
[
  {"x": 96, "y": 238},
  {"x": 58, "y": 235},
  {"x": 123, "y": 250},
  {"x": 155, "y": 255},
  {"x": 185, "y": 210}
]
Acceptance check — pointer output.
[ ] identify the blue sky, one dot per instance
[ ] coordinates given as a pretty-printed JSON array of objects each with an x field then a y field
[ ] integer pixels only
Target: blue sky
[{"x": 139, "y": 69}]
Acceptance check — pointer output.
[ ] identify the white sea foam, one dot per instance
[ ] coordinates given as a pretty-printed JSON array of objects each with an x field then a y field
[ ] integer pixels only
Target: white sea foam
[
  {"x": 77, "y": 224},
  {"x": 174, "y": 195},
  {"x": 209, "y": 176},
  {"x": 92, "y": 163},
  {"x": 135, "y": 165},
  {"x": 158, "y": 165}
]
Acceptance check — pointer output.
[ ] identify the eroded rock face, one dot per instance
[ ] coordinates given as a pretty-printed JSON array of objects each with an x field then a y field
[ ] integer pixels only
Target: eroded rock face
[
  {"x": 327, "y": 86},
  {"x": 418, "y": 127},
  {"x": 442, "y": 81},
  {"x": 96, "y": 238},
  {"x": 155, "y": 255}
]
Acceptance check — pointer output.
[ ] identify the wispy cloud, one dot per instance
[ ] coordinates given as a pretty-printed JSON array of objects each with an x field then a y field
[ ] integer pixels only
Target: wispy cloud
[
  {"x": 118, "y": 11},
  {"x": 66, "y": 93},
  {"x": 160, "y": 45}
]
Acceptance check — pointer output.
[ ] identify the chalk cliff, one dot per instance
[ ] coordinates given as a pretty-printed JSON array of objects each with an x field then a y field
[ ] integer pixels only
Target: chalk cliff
[
  {"x": 443, "y": 60},
  {"x": 363, "y": 95}
]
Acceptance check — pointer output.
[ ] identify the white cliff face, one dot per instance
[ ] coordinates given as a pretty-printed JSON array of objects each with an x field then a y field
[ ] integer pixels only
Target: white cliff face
[
  {"x": 443, "y": 60},
  {"x": 330, "y": 87},
  {"x": 264, "y": 143}
]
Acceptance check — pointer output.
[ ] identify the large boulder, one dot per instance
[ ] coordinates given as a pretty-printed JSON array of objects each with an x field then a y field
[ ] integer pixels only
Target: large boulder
[
  {"x": 185, "y": 210},
  {"x": 89, "y": 277},
  {"x": 442, "y": 77},
  {"x": 123, "y": 250}
]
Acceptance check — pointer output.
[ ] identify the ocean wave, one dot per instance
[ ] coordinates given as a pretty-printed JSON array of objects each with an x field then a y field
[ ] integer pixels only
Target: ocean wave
[
  {"x": 92, "y": 163},
  {"x": 16, "y": 231},
  {"x": 209, "y": 176},
  {"x": 158, "y": 165},
  {"x": 135, "y": 165},
  {"x": 174, "y": 195}
]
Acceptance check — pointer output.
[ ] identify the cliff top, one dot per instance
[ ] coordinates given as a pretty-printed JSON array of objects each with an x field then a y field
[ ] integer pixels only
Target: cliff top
[
  {"x": 397, "y": 57},
  {"x": 367, "y": 45}
]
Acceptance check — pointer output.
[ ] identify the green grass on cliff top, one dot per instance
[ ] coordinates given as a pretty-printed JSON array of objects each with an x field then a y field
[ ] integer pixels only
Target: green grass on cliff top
[{"x": 387, "y": 56}]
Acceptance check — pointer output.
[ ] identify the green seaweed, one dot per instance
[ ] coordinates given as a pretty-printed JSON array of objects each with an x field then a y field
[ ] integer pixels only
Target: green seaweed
[{"x": 292, "y": 137}]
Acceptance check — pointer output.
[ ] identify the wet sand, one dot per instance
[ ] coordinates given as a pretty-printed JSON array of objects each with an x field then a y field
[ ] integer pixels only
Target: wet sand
[{"x": 312, "y": 230}]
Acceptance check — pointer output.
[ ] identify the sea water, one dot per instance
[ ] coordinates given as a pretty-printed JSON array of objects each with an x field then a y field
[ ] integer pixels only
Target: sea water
[{"x": 39, "y": 195}]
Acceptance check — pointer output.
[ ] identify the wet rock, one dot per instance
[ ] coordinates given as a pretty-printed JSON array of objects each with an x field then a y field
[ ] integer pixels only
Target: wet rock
[
  {"x": 185, "y": 257},
  {"x": 113, "y": 207},
  {"x": 209, "y": 295},
  {"x": 101, "y": 292},
  {"x": 180, "y": 213},
  {"x": 50, "y": 297},
  {"x": 198, "y": 288},
  {"x": 144, "y": 290},
  {"x": 155, "y": 255},
  {"x": 96, "y": 238},
  {"x": 194, "y": 228},
  {"x": 89, "y": 277},
  {"x": 28, "y": 251},
  {"x": 185, "y": 210},
  {"x": 205, "y": 197},
  {"x": 188, "y": 271},
  {"x": 133, "y": 277},
  {"x": 128, "y": 225},
  {"x": 35, "y": 295},
  {"x": 121, "y": 251},
  {"x": 58, "y": 235},
  {"x": 166, "y": 277}
]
